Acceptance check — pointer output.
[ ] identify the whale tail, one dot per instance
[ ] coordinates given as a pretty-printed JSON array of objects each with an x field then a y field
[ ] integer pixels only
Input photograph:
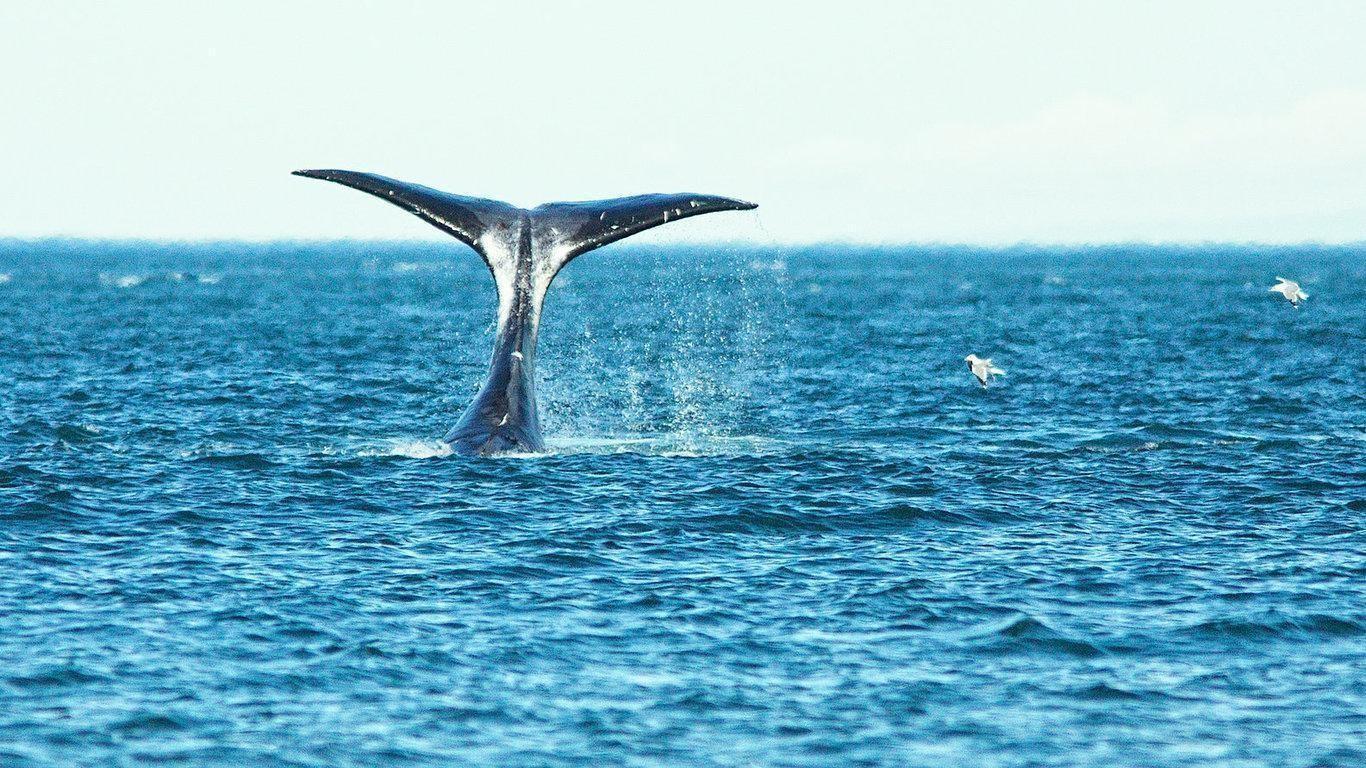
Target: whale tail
[
  {"x": 558, "y": 232},
  {"x": 524, "y": 250}
]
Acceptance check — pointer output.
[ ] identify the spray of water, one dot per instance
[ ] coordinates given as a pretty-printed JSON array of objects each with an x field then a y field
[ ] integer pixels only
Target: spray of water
[{"x": 673, "y": 358}]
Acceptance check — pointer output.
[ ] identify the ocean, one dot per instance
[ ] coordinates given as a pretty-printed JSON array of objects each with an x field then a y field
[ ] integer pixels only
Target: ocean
[{"x": 780, "y": 522}]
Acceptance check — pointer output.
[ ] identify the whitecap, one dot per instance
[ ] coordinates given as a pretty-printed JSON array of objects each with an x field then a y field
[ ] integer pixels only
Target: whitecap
[
  {"x": 417, "y": 266},
  {"x": 122, "y": 281},
  {"x": 411, "y": 449},
  {"x": 518, "y": 456}
]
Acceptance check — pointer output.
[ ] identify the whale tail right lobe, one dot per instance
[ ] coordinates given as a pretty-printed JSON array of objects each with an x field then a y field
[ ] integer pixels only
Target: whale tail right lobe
[{"x": 568, "y": 230}]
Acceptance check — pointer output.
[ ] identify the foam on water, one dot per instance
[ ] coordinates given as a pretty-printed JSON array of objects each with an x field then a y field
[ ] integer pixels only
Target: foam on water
[
  {"x": 124, "y": 281},
  {"x": 412, "y": 449}
]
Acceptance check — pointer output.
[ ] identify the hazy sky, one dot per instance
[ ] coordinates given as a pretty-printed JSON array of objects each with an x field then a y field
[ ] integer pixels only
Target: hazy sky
[{"x": 950, "y": 121}]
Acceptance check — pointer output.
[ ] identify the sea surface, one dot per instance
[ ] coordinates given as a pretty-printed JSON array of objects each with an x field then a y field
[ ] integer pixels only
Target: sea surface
[{"x": 780, "y": 523}]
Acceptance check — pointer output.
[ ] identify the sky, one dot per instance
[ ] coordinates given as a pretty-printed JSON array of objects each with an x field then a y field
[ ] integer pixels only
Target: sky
[{"x": 963, "y": 122}]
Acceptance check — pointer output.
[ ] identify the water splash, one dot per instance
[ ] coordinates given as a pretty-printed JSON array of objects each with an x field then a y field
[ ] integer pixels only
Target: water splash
[
  {"x": 409, "y": 449},
  {"x": 683, "y": 363}
]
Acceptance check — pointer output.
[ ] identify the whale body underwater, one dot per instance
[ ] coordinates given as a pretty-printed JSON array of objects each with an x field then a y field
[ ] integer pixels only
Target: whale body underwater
[{"x": 524, "y": 250}]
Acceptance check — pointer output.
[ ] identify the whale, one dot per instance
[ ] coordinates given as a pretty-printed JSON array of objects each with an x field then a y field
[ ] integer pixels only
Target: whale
[{"x": 524, "y": 250}]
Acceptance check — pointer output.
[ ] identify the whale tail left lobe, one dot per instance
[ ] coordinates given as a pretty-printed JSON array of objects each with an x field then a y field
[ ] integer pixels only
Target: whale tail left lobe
[{"x": 474, "y": 221}]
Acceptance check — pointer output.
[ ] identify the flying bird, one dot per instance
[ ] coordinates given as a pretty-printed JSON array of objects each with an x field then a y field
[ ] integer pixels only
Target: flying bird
[
  {"x": 1290, "y": 290},
  {"x": 982, "y": 368}
]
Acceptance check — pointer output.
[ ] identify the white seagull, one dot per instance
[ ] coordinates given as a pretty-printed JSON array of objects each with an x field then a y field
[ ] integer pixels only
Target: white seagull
[
  {"x": 982, "y": 368},
  {"x": 1290, "y": 290}
]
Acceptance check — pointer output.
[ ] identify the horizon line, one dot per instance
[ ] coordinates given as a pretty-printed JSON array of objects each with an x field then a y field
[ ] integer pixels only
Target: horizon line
[{"x": 735, "y": 243}]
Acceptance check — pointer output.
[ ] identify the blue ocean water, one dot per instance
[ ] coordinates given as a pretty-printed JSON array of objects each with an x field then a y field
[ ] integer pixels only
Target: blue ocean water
[{"x": 781, "y": 524}]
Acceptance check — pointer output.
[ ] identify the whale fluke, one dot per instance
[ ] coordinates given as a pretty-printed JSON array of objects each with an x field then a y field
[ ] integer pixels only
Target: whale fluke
[
  {"x": 577, "y": 228},
  {"x": 524, "y": 249},
  {"x": 467, "y": 219},
  {"x": 562, "y": 230}
]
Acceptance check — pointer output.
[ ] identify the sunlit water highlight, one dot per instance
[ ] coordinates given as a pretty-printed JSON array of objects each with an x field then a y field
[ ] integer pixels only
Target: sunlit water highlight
[{"x": 779, "y": 522}]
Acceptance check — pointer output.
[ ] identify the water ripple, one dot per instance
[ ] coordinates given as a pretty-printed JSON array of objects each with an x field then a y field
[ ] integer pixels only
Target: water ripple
[{"x": 779, "y": 523}]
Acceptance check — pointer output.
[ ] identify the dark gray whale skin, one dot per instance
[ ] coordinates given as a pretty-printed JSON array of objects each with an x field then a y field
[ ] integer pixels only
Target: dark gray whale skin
[{"x": 524, "y": 249}]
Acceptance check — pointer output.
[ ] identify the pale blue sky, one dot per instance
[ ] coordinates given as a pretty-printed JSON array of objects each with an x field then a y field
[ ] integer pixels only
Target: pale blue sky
[{"x": 980, "y": 122}]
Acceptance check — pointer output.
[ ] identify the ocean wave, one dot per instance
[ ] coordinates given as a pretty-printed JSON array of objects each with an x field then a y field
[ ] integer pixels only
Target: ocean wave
[
  {"x": 1302, "y": 628},
  {"x": 230, "y": 457},
  {"x": 55, "y": 676},
  {"x": 76, "y": 433},
  {"x": 1105, "y": 692},
  {"x": 1026, "y": 634}
]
